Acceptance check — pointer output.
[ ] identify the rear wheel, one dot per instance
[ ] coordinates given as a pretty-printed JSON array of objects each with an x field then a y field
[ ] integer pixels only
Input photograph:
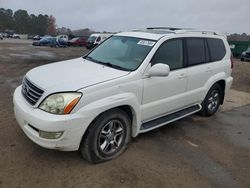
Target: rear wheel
[
  {"x": 211, "y": 103},
  {"x": 242, "y": 59},
  {"x": 107, "y": 137}
]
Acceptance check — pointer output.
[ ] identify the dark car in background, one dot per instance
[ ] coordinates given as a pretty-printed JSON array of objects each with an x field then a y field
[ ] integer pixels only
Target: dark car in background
[
  {"x": 50, "y": 41},
  {"x": 78, "y": 41},
  {"x": 43, "y": 42},
  {"x": 30, "y": 36},
  {"x": 245, "y": 55},
  {"x": 16, "y": 36}
]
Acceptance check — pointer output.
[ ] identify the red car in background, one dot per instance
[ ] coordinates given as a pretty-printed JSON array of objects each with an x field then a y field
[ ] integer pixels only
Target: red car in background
[{"x": 78, "y": 41}]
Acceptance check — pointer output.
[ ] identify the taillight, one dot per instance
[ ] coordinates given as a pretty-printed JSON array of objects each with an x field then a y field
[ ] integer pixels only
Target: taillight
[{"x": 232, "y": 62}]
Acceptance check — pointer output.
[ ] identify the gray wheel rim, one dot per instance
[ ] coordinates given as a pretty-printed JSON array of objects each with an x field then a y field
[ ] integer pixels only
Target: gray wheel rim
[
  {"x": 213, "y": 100},
  {"x": 111, "y": 136}
]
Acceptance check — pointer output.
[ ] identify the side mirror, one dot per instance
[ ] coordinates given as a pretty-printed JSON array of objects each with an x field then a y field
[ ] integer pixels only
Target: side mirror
[{"x": 159, "y": 70}]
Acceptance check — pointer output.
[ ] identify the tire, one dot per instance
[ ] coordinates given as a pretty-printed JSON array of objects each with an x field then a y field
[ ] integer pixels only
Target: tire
[
  {"x": 107, "y": 136},
  {"x": 242, "y": 59},
  {"x": 212, "y": 101}
]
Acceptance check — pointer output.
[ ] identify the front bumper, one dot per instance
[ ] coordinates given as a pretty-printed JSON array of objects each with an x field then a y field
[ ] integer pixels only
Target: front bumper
[{"x": 31, "y": 120}]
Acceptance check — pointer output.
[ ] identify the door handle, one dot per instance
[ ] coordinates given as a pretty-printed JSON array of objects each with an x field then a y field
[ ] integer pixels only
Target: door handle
[{"x": 182, "y": 76}]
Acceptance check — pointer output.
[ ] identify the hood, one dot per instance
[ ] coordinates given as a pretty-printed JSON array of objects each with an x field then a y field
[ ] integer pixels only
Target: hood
[{"x": 72, "y": 75}]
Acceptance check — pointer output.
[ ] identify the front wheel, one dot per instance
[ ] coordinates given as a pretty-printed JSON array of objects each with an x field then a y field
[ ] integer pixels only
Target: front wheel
[
  {"x": 211, "y": 103},
  {"x": 107, "y": 137}
]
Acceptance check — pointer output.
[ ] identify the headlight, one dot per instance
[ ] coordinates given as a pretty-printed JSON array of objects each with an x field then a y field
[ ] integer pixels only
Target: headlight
[{"x": 60, "y": 103}]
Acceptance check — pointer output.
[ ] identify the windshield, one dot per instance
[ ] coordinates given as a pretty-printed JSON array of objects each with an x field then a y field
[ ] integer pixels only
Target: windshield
[
  {"x": 45, "y": 39},
  {"x": 124, "y": 52},
  {"x": 92, "y": 38},
  {"x": 248, "y": 49}
]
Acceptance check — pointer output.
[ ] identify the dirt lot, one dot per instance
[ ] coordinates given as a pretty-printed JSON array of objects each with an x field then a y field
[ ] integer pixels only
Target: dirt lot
[{"x": 192, "y": 152}]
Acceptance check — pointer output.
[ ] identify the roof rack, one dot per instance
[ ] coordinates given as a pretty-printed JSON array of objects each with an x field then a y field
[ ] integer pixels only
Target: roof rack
[
  {"x": 165, "y": 28},
  {"x": 184, "y": 30}
]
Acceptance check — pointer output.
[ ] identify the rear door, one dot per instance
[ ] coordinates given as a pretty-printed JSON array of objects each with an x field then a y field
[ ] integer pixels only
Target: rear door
[
  {"x": 199, "y": 71},
  {"x": 203, "y": 60}
]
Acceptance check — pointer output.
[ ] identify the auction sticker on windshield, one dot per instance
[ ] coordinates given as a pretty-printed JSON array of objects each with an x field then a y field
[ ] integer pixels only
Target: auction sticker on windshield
[{"x": 146, "y": 43}]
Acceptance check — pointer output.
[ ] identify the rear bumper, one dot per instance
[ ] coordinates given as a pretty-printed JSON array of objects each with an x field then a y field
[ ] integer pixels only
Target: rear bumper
[{"x": 32, "y": 120}]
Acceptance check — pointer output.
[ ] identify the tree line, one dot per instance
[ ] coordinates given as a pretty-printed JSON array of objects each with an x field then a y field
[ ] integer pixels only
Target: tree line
[{"x": 23, "y": 23}]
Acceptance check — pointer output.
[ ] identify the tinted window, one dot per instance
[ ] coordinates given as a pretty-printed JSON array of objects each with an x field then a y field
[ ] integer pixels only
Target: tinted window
[
  {"x": 170, "y": 53},
  {"x": 196, "y": 51},
  {"x": 217, "y": 49}
]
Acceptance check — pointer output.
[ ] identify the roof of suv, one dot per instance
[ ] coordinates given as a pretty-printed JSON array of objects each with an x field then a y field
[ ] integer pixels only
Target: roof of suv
[{"x": 155, "y": 33}]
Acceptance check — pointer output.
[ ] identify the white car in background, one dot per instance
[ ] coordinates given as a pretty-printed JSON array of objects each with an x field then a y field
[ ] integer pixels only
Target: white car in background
[
  {"x": 131, "y": 83},
  {"x": 96, "y": 39},
  {"x": 63, "y": 37}
]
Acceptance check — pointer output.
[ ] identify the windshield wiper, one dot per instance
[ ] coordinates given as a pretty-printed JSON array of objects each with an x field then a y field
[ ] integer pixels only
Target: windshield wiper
[
  {"x": 115, "y": 66},
  {"x": 91, "y": 59},
  {"x": 106, "y": 63}
]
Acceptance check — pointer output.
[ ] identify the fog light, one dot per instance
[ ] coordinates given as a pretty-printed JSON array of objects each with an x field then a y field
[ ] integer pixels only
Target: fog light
[{"x": 50, "y": 135}]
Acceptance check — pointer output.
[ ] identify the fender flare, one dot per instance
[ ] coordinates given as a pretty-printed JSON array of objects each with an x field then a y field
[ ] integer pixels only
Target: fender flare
[{"x": 94, "y": 109}]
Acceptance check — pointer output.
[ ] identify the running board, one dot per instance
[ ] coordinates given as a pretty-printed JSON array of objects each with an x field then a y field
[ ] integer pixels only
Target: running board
[{"x": 152, "y": 124}]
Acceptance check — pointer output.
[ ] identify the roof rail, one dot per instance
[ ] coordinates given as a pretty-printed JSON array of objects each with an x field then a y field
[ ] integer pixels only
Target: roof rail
[
  {"x": 200, "y": 31},
  {"x": 177, "y": 30},
  {"x": 165, "y": 28}
]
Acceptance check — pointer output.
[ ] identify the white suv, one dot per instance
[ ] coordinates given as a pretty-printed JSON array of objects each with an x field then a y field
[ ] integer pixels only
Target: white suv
[{"x": 130, "y": 84}]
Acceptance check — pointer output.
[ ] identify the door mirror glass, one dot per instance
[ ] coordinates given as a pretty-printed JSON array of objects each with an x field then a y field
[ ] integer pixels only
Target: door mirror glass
[{"x": 159, "y": 70}]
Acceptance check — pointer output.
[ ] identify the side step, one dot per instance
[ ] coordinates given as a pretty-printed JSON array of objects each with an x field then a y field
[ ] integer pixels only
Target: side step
[{"x": 155, "y": 123}]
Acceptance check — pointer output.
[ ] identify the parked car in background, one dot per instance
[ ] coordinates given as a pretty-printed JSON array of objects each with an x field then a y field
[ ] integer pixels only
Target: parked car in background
[
  {"x": 37, "y": 37},
  {"x": 63, "y": 37},
  {"x": 4, "y": 35},
  {"x": 96, "y": 39},
  {"x": 16, "y": 36},
  {"x": 78, "y": 41},
  {"x": 51, "y": 41},
  {"x": 30, "y": 36},
  {"x": 46, "y": 41},
  {"x": 59, "y": 43},
  {"x": 130, "y": 84},
  {"x": 245, "y": 56},
  {"x": 8, "y": 35}
]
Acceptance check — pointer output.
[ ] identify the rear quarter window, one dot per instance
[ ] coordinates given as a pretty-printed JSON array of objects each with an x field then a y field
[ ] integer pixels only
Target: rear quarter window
[{"x": 217, "y": 49}]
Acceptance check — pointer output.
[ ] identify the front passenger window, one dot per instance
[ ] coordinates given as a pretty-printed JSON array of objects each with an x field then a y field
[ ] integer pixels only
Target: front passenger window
[{"x": 170, "y": 53}]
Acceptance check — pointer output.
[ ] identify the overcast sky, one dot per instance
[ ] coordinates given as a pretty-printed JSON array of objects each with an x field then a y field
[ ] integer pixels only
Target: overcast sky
[{"x": 116, "y": 15}]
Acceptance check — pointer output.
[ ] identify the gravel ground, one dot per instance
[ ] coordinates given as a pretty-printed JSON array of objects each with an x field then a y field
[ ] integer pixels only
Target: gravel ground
[{"x": 192, "y": 152}]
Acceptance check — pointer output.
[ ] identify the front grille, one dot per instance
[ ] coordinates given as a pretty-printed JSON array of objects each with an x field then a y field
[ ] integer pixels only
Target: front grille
[{"x": 31, "y": 92}]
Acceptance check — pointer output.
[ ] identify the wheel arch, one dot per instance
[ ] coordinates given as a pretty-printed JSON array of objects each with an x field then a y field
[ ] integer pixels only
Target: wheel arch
[
  {"x": 219, "y": 79},
  {"x": 126, "y": 102},
  {"x": 222, "y": 84}
]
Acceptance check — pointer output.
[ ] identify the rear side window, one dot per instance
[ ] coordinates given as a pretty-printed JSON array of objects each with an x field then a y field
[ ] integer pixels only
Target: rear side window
[
  {"x": 196, "y": 51},
  {"x": 217, "y": 49},
  {"x": 170, "y": 53}
]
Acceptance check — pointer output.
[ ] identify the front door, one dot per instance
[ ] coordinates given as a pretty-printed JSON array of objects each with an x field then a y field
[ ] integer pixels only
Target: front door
[{"x": 166, "y": 94}]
